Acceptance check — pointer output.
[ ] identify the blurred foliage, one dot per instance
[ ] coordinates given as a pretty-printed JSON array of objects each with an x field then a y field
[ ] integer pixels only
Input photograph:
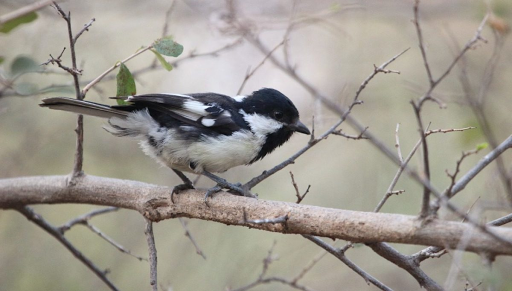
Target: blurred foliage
[{"x": 12, "y": 24}]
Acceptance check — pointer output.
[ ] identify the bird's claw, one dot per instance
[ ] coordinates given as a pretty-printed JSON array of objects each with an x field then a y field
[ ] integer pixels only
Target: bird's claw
[{"x": 181, "y": 187}]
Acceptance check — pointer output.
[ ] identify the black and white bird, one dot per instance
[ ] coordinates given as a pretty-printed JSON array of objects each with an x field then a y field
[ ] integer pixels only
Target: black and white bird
[{"x": 203, "y": 133}]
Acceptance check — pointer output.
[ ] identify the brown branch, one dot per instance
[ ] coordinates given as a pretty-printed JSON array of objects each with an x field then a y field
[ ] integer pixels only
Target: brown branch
[
  {"x": 148, "y": 231},
  {"x": 406, "y": 263},
  {"x": 425, "y": 205},
  {"x": 344, "y": 114},
  {"x": 78, "y": 163},
  {"x": 341, "y": 256},
  {"x": 55, "y": 232},
  {"x": 154, "y": 203}
]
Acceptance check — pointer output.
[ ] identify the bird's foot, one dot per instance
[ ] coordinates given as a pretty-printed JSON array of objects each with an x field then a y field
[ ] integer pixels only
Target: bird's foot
[
  {"x": 235, "y": 189},
  {"x": 181, "y": 187}
]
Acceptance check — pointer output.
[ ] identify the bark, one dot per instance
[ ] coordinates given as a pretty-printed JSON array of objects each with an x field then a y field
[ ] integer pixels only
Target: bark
[{"x": 154, "y": 203}]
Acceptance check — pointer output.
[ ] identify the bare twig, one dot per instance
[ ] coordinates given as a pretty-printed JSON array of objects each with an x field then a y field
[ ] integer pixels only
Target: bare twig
[
  {"x": 343, "y": 113},
  {"x": 112, "y": 242},
  {"x": 461, "y": 184},
  {"x": 296, "y": 187},
  {"x": 262, "y": 279},
  {"x": 55, "y": 232},
  {"x": 429, "y": 132},
  {"x": 191, "y": 238},
  {"x": 152, "y": 254},
  {"x": 397, "y": 144},
  {"x": 421, "y": 44},
  {"x": 453, "y": 176},
  {"x": 341, "y": 256},
  {"x": 406, "y": 263},
  {"x": 355, "y": 137},
  {"x": 79, "y": 159},
  {"x": 426, "y": 164},
  {"x": 309, "y": 266},
  {"x": 84, "y": 29},
  {"x": 83, "y": 219},
  {"x": 98, "y": 79},
  {"x": 249, "y": 73}
]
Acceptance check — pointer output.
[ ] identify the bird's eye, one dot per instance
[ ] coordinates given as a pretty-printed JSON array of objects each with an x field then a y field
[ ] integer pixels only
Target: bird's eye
[{"x": 278, "y": 115}]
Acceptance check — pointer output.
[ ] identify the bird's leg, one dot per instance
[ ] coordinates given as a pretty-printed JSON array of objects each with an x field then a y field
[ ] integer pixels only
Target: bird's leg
[
  {"x": 187, "y": 184},
  {"x": 223, "y": 184}
]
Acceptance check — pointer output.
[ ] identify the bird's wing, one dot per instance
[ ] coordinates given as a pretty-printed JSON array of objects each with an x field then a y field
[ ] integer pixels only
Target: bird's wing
[{"x": 205, "y": 110}]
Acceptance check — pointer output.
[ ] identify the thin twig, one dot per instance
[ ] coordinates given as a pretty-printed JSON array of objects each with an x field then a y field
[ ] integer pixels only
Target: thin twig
[
  {"x": 250, "y": 73},
  {"x": 429, "y": 132},
  {"x": 421, "y": 42},
  {"x": 191, "y": 238},
  {"x": 55, "y": 232},
  {"x": 343, "y": 113},
  {"x": 425, "y": 205},
  {"x": 152, "y": 254},
  {"x": 462, "y": 183},
  {"x": 84, "y": 29},
  {"x": 341, "y": 256},
  {"x": 98, "y": 79},
  {"x": 85, "y": 218},
  {"x": 348, "y": 136},
  {"x": 296, "y": 187},
  {"x": 79, "y": 158}
]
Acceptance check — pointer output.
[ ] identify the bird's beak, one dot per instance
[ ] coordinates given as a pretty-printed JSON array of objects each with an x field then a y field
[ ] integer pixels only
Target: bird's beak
[{"x": 299, "y": 127}]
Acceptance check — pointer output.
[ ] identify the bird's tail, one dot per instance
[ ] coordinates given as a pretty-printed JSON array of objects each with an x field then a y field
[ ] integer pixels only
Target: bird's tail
[{"x": 83, "y": 107}]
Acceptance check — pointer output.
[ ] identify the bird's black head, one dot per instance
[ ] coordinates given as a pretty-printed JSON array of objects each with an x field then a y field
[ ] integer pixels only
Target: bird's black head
[
  {"x": 272, "y": 114},
  {"x": 275, "y": 105}
]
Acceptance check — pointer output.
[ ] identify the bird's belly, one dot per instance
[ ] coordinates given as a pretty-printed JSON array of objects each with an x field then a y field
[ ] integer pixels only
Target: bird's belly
[
  {"x": 213, "y": 154},
  {"x": 218, "y": 154}
]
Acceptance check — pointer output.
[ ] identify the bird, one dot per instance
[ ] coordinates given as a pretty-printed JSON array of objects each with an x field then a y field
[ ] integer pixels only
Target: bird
[{"x": 201, "y": 133}]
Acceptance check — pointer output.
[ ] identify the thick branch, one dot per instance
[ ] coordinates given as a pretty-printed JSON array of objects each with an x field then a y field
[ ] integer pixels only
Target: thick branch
[{"x": 155, "y": 204}]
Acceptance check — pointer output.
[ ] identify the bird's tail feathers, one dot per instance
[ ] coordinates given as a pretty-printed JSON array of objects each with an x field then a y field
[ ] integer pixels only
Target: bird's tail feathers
[{"x": 83, "y": 107}]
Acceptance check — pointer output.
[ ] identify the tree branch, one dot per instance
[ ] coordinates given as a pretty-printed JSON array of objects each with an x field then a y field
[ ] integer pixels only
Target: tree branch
[
  {"x": 154, "y": 203},
  {"x": 53, "y": 231}
]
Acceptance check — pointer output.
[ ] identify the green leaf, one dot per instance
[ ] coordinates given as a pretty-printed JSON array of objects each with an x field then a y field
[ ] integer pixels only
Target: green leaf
[
  {"x": 22, "y": 65},
  {"x": 2, "y": 59},
  {"x": 26, "y": 89},
  {"x": 125, "y": 84},
  {"x": 168, "y": 47},
  {"x": 162, "y": 61},
  {"x": 482, "y": 146},
  {"x": 11, "y": 24}
]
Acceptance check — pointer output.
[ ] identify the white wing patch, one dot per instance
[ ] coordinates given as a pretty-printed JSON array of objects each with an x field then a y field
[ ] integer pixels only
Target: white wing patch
[
  {"x": 196, "y": 107},
  {"x": 207, "y": 122}
]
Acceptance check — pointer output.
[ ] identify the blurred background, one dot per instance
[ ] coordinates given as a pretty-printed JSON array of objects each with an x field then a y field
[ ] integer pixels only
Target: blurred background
[{"x": 334, "y": 46}]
